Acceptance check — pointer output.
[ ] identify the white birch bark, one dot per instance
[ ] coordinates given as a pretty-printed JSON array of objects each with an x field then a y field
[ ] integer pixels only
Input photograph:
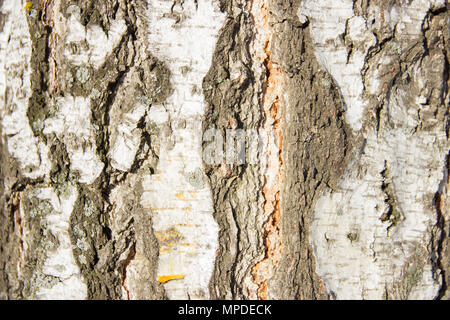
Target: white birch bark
[{"x": 105, "y": 193}]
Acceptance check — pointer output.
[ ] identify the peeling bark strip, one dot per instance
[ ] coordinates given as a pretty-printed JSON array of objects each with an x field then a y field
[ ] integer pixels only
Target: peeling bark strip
[
  {"x": 271, "y": 105},
  {"x": 104, "y": 191}
]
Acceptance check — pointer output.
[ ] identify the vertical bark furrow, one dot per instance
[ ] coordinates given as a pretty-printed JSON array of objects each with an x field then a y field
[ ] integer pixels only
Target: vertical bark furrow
[
  {"x": 233, "y": 88},
  {"x": 282, "y": 61}
]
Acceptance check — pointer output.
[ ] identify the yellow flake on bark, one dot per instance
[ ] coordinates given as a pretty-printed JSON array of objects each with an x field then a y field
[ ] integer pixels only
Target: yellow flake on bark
[
  {"x": 180, "y": 195},
  {"x": 28, "y": 6},
  {"x": 164, "y": 279}
]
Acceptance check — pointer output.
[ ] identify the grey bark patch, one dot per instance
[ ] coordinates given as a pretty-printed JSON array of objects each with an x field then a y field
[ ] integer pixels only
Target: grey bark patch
[
  {"x": 10, "y": 286},
  {"x": 238, "y": 215},
  {"x": 10, "y": 224},
  {"x": 33, "y": 233},
  {"x": 90, "y": 237},
  {"x": 393, "y": 214},
  {"x": 39, "y": 103},
  {"x": 412, "y": 273},
  {"x": 2, "y": 21}
]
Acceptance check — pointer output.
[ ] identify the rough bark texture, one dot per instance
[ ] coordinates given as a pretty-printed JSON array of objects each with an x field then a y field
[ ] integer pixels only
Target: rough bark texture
[{"x": 106, "y": 113}]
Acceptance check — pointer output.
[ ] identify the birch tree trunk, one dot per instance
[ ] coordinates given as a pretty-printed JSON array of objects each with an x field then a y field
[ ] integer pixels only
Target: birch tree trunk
[{"x": 118, "y": 123}]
